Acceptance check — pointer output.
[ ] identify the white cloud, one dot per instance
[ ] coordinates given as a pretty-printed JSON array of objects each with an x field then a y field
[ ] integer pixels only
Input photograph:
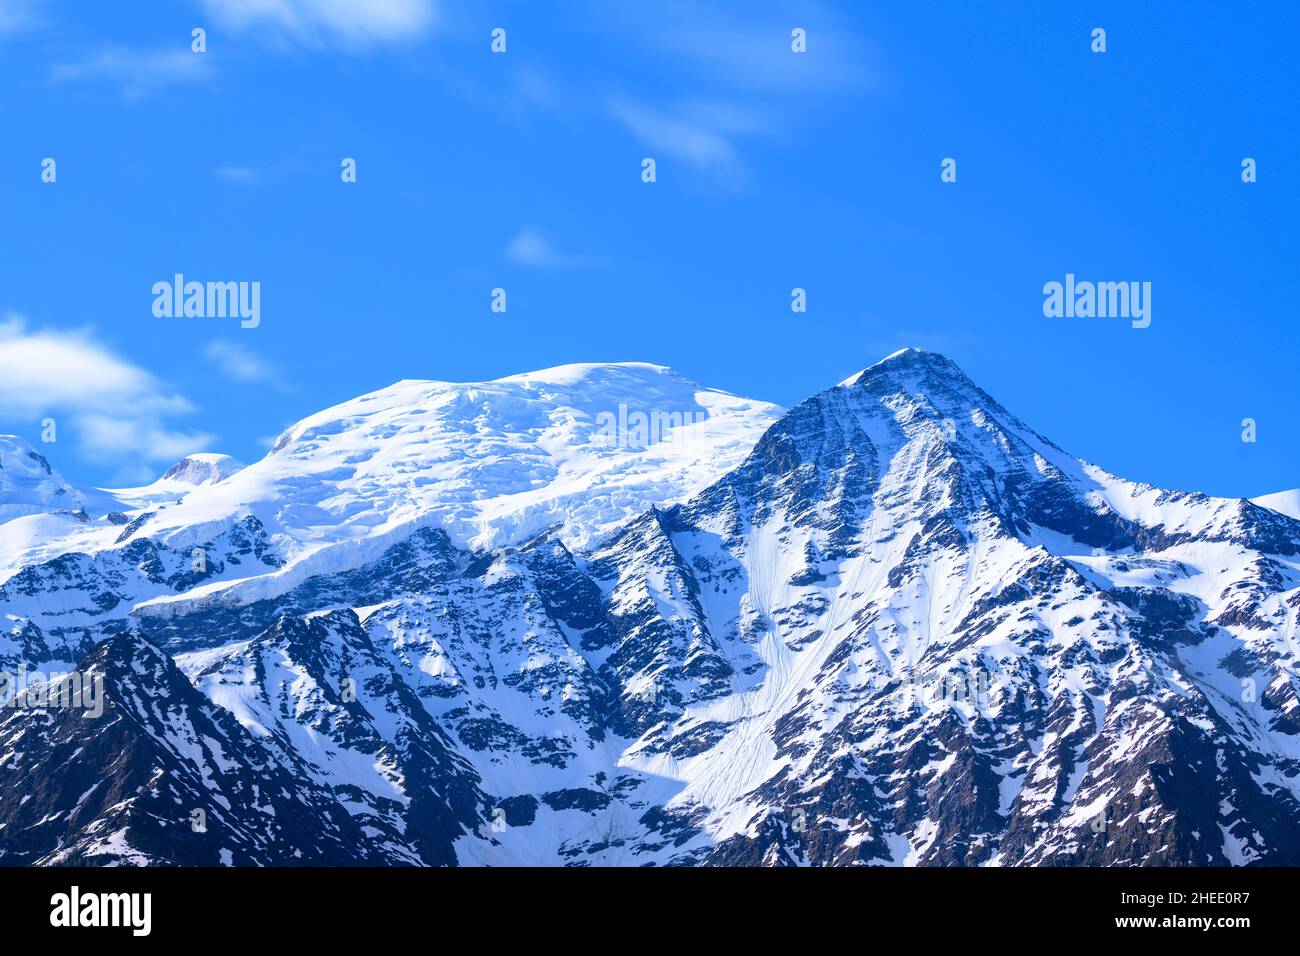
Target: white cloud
[
  {"x": 108, "y": 437},
  {"x": 699, "y": 134},
  {"x": 240, "y": 364},
  {"x": 117, "y": 410},
  {"x": 138, "y": 72},
  {"x": 349, "y": 23},
  {"x": 531, "y": 248}
]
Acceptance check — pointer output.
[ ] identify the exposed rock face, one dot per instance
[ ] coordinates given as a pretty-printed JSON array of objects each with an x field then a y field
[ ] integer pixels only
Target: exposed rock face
[{"x": 203, "y": 469}]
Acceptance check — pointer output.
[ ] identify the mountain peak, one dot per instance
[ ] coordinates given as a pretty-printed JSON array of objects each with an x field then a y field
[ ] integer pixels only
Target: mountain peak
[
  {"x": 576, "y": 372},
  {"x": 13, "y": 448},
  {"x": 908, "y": 361},
  {"x": 574, "y": 375},
  {"x": 202, "y": 469},
  {"x": 929, "y": 383},
  {"x": 28, "y": 483},
  {"x": 910, "y": 353}
]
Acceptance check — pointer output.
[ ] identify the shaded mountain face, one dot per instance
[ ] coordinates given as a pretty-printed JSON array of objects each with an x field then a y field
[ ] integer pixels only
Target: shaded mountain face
[
  {"x": 159, "y": 775},
  {"x": 904, "y": 629}
]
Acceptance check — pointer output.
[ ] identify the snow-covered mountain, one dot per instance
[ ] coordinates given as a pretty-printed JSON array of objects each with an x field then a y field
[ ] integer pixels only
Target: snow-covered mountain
[
  {"x": 28, "y": 485},
  {"x": 1287, "y": 502},
  {"x": 580, "y": 448},
  {"x": 493, "y": 624}
]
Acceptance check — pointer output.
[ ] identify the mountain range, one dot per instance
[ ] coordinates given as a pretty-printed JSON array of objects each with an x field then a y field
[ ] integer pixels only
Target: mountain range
[{"x": 600, "y": 615}]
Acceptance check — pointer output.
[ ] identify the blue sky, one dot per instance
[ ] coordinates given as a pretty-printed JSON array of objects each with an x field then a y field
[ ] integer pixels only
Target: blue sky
[{"x": 775, "y": 170}]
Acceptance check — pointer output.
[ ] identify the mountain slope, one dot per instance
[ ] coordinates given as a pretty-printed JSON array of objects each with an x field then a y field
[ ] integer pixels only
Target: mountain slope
[
  {"x": 904, "y": 629},
  {"x": 1286, "y": 502},
  {"x": 160, "y": 776}
]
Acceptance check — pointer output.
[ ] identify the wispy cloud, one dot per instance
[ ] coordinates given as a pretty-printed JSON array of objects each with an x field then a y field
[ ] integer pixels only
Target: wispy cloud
[
  {"x": 355, "y": 24},
  {"x": 137, "y": 72},
  {"x": 19, "y": 15},
  {"x": 699, "y": 133},
  {"x": 242, "y": 365},
  {"x": 747, "y": 47},
  {"x": 532, "y": 248},
  {"x": 117, "y": 410},
  {"x": 734, "y": 75},
  {"x": 237, "y": 174}
]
